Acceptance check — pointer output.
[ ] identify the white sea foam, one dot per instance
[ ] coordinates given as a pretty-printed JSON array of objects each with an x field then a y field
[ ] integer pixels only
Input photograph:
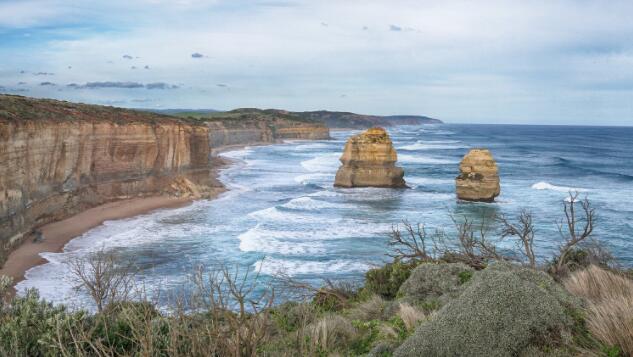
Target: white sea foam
[
  {"x": 308, "y": 240},
  {"x": 300, "y": 267},
  {"x": 239, "y": 154},
  {"x": 307, "y": 203},
  {"x": 433, "y": 145},
  {"x": 547, "y": 186},
  {"x": 273, "y": 214},
  {"x": 314, "y": 178},
  {"x": 322, "y": 163},
  {"x": 427, "y": 181},
  {"x": 420, "y": 159}
]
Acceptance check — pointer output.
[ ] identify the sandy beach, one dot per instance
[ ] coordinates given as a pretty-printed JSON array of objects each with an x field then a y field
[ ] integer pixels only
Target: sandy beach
[{"x": 57, "y": 234}]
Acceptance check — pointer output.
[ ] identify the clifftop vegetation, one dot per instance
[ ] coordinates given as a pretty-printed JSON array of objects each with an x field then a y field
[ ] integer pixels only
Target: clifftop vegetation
[{"x": 441, "y": 296}]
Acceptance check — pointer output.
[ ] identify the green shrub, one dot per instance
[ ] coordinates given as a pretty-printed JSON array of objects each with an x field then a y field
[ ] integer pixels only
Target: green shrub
[
  {"x": 436, "y": 283},
  {"x": 386, "y": 281},
  {"x": 30, "y": 326},
  {"x": 502, "y": 311}
]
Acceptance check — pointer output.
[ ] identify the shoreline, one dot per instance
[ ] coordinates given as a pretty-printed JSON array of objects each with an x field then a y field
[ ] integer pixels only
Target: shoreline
[{"x": 57, "y": 234}]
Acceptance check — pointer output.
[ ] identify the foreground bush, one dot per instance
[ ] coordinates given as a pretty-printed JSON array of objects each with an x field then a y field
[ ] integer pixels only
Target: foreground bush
[
  {"x": 502, "y": 311},
  {"x": 386, "y": 281},
  {"x": 610, "y": 308},
  {"x": 431, "y": 283}
]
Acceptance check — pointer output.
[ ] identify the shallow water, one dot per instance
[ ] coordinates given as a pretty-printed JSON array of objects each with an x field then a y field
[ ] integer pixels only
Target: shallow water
[{"x": 282, "y": 206}]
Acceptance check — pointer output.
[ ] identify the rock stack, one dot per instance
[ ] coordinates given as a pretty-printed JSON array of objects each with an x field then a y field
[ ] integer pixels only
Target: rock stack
[
  {"x": 479, "y": 177},
  {"x": 369, "y": 161}
]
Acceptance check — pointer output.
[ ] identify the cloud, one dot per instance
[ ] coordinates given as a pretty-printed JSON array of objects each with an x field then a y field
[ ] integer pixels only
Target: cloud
[
  {"x": 99, "y": 85},
  {"x": 494, "y": 60},
  {"x": 48, "y": 84}
]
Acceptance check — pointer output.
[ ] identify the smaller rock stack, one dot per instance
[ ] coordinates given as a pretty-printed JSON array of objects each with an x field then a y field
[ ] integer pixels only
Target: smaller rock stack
[
  {"x": 369, "y": 161},
  {"x": 479, "y": 177}
]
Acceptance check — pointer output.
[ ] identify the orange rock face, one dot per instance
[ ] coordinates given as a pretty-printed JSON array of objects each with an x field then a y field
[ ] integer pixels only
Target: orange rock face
[
  {"x": 369, "y": 161},
  {"x": 479, "y": 177},
  {"x": 58, "y": 158}
]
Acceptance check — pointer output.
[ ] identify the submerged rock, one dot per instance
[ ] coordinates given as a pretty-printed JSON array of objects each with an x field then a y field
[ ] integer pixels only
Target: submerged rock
[
  {"x": 479, "y": 177},
  {"x": 369, "y": 161}
]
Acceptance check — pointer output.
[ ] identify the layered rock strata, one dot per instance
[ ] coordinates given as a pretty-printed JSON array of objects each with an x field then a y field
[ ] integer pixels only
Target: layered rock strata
[
  {"x": 59, "y": 158},
  {"x": 368, "y": 160},
  {"x": 479, "y": 177}
]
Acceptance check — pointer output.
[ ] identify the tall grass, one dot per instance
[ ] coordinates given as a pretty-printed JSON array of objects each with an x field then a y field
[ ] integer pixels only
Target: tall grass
[{"x": 610, "y": 305}]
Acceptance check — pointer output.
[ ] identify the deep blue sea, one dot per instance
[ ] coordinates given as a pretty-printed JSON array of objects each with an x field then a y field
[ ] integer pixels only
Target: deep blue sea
[{"x": 282, "y": 207}]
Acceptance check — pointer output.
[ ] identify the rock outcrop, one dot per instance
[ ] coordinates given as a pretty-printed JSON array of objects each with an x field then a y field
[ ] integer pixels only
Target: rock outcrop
[
  {"x": 369, "y": 161},
  {"x": 479, "y": 177},
  {"x": 58, "y": 158}
]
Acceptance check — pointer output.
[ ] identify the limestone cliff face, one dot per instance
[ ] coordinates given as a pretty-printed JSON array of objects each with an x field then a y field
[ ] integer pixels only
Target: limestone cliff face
[
  {"x": 369, "y": 161},
  {"x": 58, "y": 158},
  {"x": 479, "y": 177}
]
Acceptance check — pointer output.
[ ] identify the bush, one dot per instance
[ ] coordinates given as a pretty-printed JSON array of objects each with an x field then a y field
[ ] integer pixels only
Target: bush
[
  {"x": 502, "y": 311},
  {"x": 32, "y": 327},
  {"x": 435, "y": 282},
  {"x": 610, "y": 305},
  {"x": 386, "y": 281}
]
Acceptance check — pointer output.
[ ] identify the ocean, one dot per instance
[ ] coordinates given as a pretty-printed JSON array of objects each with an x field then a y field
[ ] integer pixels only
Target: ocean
[{"x": 282, "y": 215}]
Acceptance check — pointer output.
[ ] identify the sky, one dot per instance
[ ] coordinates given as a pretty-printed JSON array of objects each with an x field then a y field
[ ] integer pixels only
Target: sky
[{"x": 487, "y": 61}]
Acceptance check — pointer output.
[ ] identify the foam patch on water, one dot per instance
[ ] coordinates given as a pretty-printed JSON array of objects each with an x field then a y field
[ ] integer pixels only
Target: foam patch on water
[
  {"x": 307, "y": 203},
  {"x": 239, "y": 154},
  {"x": 433, "y": 145},
  {"x": 547, "y": 186},
  {"x": 427, "y": 181},
  {"x": 420, "y": 159},
  {"x": 322, "y": 163},
  {"x": 315, "y": 178},
  {"x": 273, "y": 214},
  {"x": 301, "y": 267},
  {"x": 287, "y": 242}
]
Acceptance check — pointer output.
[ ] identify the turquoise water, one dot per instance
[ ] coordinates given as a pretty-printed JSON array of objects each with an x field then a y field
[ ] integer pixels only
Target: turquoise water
[{"x": 282, "y": 207}]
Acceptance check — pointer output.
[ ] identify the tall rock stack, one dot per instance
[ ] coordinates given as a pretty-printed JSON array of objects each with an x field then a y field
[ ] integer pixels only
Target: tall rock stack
[
  {"x": 369, "y": 161},
  {"x": 479, "y": 177}
]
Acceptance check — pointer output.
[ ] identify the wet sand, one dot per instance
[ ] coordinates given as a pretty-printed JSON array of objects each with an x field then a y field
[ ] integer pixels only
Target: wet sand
[{"x": 57, "y": 234}]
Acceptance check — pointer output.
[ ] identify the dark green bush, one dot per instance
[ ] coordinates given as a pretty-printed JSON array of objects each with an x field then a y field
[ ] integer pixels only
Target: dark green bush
[{"x": 386, "y": 281}]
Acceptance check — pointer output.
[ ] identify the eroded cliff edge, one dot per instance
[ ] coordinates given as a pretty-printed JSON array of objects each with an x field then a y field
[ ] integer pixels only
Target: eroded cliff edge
[{"x": 59, "y": 158}]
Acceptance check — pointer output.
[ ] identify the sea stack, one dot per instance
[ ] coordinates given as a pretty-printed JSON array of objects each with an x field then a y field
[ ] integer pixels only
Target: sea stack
[
  {"x": 369, "y": 161},
  {"x": 478, "y": 179}
]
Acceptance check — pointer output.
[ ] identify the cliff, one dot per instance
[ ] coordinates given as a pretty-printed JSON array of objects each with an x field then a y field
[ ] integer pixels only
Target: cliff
[
  {"x": 59, "y": 158},
  {"x": 479, "y": 177},
  {"x": 368, "y": 160}
]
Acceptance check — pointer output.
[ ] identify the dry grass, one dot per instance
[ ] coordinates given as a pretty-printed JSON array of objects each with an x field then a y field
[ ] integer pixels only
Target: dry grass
[
  {"x": 610, "y": 309},
  {"x": 331, "y": 331},
  {"x": 371, "y": 309},
  {"x": 410, "y": 316}
]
